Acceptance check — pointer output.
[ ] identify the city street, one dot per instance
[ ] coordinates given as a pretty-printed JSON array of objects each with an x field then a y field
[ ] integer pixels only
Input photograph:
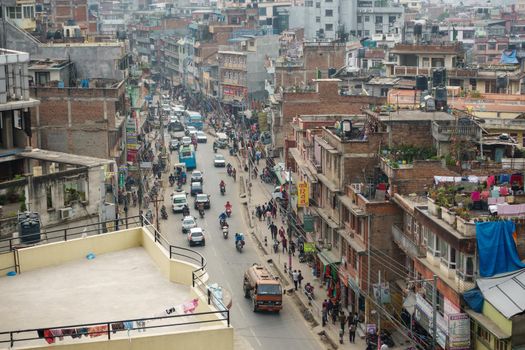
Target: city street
[{"x": 286, "y": 330}]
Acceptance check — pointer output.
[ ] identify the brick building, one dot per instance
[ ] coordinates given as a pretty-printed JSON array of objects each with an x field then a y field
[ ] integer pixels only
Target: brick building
[
  {"x": 326, "y": 99},
  {"x": 81, "y": 120},
  {"x": 63, "y": 11}
]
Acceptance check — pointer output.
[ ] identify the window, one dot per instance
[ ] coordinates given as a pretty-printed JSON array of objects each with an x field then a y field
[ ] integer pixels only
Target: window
[
  {"x": 42, "y": 78},
  {"x": 501, "y": 344},
  {"x": 329, "y": 13},
  {"x": 49, "y": 197},
  {"x": 367, "y": 18},
  {"x": 29, "y": 12},
  {"x": 262, "y": 11},
  {"x": 482, "y": 47},
  {"x": 15, "y": 12},
  {"x": 392, "y": 19},
  {"x": 359, "y": 19},
  {"x": 317, "y": 5},
  {"x": 309, "y": 3},
  {"x": 379, "y": 19},
  {"x": 317, "y": 19},
  {"x": 502, "y": 47},
  {"x": 483, "y": 334},
  {"x": 492, "y": 46},
  {"x": 328, "y": 27},
  {"x": 329, "y": 1},
  {"x": 523, "y": 140},
  {"x": 366, "y": 33}
]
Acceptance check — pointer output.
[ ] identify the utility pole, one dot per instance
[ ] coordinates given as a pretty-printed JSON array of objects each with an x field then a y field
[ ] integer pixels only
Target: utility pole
[
  {"x": 289, "y": 214},
  {"x": 380, "y": 302},
  {"x": 434, "y": 312}
]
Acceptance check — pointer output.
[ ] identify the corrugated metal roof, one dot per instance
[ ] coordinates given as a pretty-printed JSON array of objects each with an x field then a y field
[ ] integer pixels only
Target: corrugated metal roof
[{"x": 505, "y": 292}]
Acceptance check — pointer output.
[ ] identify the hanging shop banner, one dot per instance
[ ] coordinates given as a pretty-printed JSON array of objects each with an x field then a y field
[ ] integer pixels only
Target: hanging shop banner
[
  {"x": 309, "y": 247},
  {"x": 302, "y": 194},
  {"x": 458, "y": 331},
  {"x": 308, "y": 223},
  {"x": 424, "y": 315}
]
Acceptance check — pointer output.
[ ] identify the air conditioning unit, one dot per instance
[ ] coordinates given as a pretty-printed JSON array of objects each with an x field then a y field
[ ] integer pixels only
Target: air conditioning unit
[{"x": 65, "y": 213}]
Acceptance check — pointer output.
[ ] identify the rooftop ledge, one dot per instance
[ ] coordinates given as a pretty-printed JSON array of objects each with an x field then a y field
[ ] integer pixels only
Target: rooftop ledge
[{"x": 133, "y": 277}]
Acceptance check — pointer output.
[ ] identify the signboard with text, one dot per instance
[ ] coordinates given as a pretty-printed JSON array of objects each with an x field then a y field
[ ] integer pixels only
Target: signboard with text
[
  {"x": 302, "y": 194},
  {"x": 458, "y": 331}
]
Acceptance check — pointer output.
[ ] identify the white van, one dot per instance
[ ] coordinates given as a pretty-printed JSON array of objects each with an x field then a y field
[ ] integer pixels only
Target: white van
[
  {"x": 179, "y": 201},
  {"x": 222, "y": 140}
]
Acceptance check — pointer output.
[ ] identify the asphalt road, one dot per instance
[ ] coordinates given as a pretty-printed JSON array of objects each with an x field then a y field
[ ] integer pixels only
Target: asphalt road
[{"x": 286, "y": 330}]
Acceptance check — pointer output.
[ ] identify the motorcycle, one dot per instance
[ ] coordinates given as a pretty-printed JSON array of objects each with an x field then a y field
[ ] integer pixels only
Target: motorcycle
[
  {"x": 201, "y": 213},
  {"x": 164, "y": 213},
  {"x": 225, "y": 231},
  {"x": 229, "y": 170},
  {"x": 223, "y": 223},
  {"x": 172, "y": 181},
  {"x": 228, "y": 212},
  {"x": 386, "y": 338},
  {"x": 239, "y": 246},
  {"x": 223, "y": 190},
  {"x": 309, "y": 292}
]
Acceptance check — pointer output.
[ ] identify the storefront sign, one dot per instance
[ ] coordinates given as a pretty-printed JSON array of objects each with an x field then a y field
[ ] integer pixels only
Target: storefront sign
[
  {"x": 424, "y": 316},
  {"x": 146, "y": 165},
  {"x": 459, "y": 331},
  {"x": 308, "y": 223},
  {"x": 302, "y": 194},
  {"x": 371, "y": 328},
  {"x": 309, "y": 247}
]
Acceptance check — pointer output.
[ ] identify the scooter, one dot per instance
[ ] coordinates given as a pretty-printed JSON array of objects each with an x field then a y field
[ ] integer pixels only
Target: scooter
[
  {"x": 201, "y": 213},
  {"x": 223, "y": 190},
  {"x": 239, "y": 245},
  {"x": 225, "y": 231},
  {"x": 309, "y": 293},
  {"x": 228, "y": 212}
]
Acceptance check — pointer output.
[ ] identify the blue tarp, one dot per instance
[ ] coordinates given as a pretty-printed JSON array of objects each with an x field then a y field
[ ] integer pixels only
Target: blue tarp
[
  {"x": 497, "y": 248},
  {"x": 508, "y": 57},
  {"x": 474, "y": 299}
]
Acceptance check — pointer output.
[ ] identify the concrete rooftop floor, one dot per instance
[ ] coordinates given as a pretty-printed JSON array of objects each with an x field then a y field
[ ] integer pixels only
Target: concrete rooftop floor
[{"x": 114, "y": 286}]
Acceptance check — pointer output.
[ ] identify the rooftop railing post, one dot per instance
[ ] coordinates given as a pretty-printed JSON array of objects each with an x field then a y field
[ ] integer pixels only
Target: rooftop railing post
[
  {"x": 209, "y": 296},
  {"x": 65, "y": 234},
  {"x": 109, "y": 331},
  {"x": 228, "y": 317}
]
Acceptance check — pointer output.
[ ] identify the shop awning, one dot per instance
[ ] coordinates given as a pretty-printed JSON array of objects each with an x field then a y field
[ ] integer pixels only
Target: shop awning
[
  {"x": 490, "y": 325},
  {"x": 328, "y": 258}
]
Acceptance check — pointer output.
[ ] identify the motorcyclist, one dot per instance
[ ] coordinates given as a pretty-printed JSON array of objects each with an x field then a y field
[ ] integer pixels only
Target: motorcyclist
[
  {"x": 229, "y": 168},
  {"x": 215, "y": 147},
  {"x": 172, "y": 179},
  {"x": 234, "y": 174},
  {"x": 228, "y": 206},
  {"x": 200, "y": 206},
  {"x": 239, "y": 237},
  {"x": 223, "y": 217},
  {"x": 308, "y": 288},
  {"x": 222, "y": 185},
  {"x": 185, "y": 211}
]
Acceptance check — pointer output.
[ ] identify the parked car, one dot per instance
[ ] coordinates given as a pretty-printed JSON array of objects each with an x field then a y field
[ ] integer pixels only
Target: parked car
[
  {"x": 201, "y": 137},
  {"x": 204, "y": 199},
  {"x": 196, "y": 236},
  {"x": 196, "y": 188},
  {"x": 188, "y": 222},
  {"x": 186, "y": 141},
  {"x": 197, "y": 176},
  {"x": 219, "y": 161}
]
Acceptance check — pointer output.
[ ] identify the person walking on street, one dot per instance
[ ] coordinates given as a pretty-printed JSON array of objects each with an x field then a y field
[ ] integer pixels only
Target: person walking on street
[
  {"x": 281, "y": 232},
  {"x": 325, "y": 312},
  {"x": 273, "y": 230},
  {"x": 352, "y": 327},
  {"x": 285, "y": 245},
  {"x": 342, "y": 321},
  {"x": 329, "y": 306},
  {"x": 299, "y": 277},
  {"x": 268, "y": 215},
  {"x": 295, "y": 277},
  {"x": 274, "y": 211},
  {"x": 292, "y": 248}
]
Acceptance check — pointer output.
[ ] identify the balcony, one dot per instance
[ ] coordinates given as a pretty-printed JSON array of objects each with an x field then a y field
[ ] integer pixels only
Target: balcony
[
  {"x": 406, "y": 244},
  {"x": 234, "y": 82},
  {"x": 234, "y": 66},
  {"x": 445, "y": 132}
]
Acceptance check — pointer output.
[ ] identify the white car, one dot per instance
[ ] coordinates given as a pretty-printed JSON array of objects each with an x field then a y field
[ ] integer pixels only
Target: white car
[
  {"x": 277, "y": 194},
  {"x": 219, "y": 161},
  {"x": 179, "y": 201},
  {"x": 191, "y": 130},
  {"x": 196, "y": 236},
  {"x": 188, "y": 222},
  {"x": 201, "y": 137},
  {"x": 186, "y": 141}
]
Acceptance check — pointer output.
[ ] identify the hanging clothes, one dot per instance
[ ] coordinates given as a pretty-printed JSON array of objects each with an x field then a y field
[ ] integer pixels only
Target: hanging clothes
[
  {"x": 504, "y": 178},
  {"x": 50, "y": 339},
  {"x": 491, "y": 181}
]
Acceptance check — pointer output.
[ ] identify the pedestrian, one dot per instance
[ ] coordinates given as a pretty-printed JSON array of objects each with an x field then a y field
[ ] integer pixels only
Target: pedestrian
[
  {"x": 285, "y": 244},
  {"x": 274, "y": 211},
  {"x": 268, "y": 216},
  {"x": 351, "y": 329},
  {"x": 335, "y": 311},
  {"x": 273, "y": 230},
  {"x": 292, "y": 248},
  {"x": 281, "y": 232},
  {"x": 355, "y": 319},
  {"x": 276, "y": 246},
  {"x": 258, "y": 212},
  {"x": 295, "y": 277},
  {"x": 342, "y": 321},
  {"x": 330, "y": 306},
  {"x": 325, "y": 312},
  {"x": 299, "y": 277}
]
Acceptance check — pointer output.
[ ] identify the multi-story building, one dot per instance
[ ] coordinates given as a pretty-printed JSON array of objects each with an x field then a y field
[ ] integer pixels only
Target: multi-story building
[
  {"x": 377, "y": 17},
  {"x": 242, "y": 72},
  {"x": 66, "y": 12},
  {"x": 23, "y": 14}
]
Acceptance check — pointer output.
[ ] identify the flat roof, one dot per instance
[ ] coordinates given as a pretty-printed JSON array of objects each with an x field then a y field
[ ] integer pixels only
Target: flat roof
[
  {"x": 66, "y": 158},
  {"x": 111, "y": 287},
  {"x": 416, "y": 115}
]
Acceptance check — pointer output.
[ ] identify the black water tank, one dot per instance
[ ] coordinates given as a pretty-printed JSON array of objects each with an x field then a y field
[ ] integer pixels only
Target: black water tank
[
  {"x": 421, "y": 82},
  {"x": 501, "y": 82},
  {"x": 439, "y": 77},
  {"x": 441, "y": 93},
  {"x": 29, "y": 227},
  {"x": 418, "y": 29},
  {"x": 435, "y": 29},
  {"x": 331, "y": 72}
]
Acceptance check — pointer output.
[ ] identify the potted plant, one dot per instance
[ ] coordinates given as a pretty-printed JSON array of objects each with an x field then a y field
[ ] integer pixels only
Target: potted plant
[
  {"x": 448, "y": 215},
  {"x": 464, "y": 222},
  {"x": 433, "y": 207}
]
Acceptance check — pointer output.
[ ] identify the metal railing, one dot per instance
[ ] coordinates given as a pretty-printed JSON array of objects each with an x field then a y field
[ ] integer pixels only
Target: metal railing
[{"x": 11, "y": 245}]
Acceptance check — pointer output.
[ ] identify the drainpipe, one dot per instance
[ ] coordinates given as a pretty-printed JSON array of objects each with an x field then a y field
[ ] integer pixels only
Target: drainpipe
[{"x": 368, "y": 263}]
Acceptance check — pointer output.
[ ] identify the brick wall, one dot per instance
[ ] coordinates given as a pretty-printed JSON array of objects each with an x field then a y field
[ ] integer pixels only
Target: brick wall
[{"x": 415, "y": 133}]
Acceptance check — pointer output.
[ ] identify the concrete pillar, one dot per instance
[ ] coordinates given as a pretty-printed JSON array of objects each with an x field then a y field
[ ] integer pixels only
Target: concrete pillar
[
  {"x": 3, "y": 85},
  {"x": 25, "y": 82},
  {"x": 7, "y": 129},
  {"x": 17, "y": 71}
]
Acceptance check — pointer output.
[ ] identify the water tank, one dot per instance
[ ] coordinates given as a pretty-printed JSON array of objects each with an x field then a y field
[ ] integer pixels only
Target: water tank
[
  {"x": 331, "y": 72},
  {"x": 435, "y": 29},
  {"x": 421, "y": 82},
  {"x": 501, "y": 82},
  {"x": 438, "y": 77},
  {"x": 29, "y": 227},
  {"x": 418, "y": 29},
  {"x": 441, "y": 98}
]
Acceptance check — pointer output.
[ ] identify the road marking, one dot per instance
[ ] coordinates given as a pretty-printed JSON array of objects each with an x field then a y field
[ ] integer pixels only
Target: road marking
[{"x": 255, "y": 337}]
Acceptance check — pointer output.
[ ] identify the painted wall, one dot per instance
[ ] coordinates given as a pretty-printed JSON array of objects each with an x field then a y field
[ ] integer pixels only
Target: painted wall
[{"x": 493, "y": 314}]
